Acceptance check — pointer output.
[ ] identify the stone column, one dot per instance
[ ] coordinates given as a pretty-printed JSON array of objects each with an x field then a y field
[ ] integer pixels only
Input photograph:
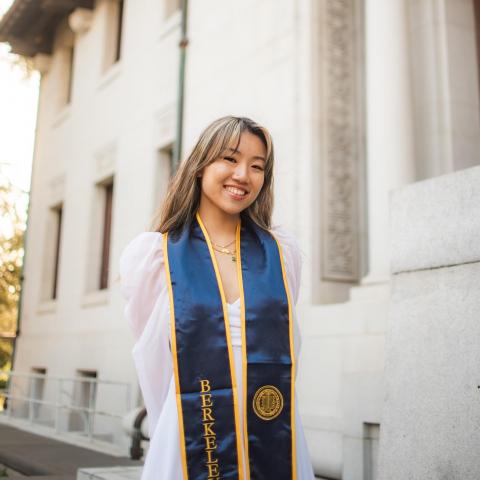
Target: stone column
[{"x": 390, "y": 130}]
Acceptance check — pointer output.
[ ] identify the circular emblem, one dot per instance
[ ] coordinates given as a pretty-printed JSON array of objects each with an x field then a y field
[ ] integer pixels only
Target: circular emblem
[{"x": 267, "y": 402}]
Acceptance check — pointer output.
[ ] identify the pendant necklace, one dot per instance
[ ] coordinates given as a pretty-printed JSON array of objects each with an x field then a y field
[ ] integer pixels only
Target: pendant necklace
[
  {"x": 223, "y": 249},
  {"x": 228, "y": 252}
]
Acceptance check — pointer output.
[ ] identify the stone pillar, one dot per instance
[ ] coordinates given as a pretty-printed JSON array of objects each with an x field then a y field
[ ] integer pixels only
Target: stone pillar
[
  {"x": 445, "y": 84},
  {"x": 430, "y": 427},
  {"x": 390, "y": 130}
]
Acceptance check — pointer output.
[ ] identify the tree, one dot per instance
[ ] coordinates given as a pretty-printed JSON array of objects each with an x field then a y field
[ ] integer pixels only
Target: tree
[{"x": 13, "y": 203}]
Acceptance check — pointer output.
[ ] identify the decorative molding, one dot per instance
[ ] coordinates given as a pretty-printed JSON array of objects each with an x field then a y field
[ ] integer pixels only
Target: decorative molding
[
  {"x": 96, "y": 298},
  {"x": 80, "y": 20},
  {"x": 56, "y": 190},
  {"x": 341, "y": 71},
  {"x": 164, "y": 130},
  {"x": 105, "y": 159},
  {"x": 42, "y": 63},
  {"x": 31, "y": 26}
]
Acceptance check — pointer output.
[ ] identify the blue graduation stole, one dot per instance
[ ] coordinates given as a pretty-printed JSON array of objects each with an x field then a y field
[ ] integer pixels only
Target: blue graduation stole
[{"x": 205, "y": 383}]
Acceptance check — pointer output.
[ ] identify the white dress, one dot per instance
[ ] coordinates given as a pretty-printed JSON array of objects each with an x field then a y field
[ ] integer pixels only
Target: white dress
[{"x": 147, "y": 310}]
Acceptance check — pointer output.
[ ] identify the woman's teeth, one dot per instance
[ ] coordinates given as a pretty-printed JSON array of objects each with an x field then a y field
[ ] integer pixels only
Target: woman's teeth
[{"x": 236, "y": 191}]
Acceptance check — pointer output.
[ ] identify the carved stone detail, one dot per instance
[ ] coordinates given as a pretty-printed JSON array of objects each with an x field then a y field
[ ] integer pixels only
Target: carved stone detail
[{"x": 340, "y": 172}]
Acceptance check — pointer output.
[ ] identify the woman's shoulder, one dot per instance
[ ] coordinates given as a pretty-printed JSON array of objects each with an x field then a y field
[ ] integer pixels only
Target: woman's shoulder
[
  {"x": 287, "y": 239},
  {"x": 142, "y": 244},
  {"x": 292, "y": 255}
]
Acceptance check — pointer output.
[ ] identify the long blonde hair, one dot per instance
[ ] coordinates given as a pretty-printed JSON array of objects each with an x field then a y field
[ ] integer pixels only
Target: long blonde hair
[{"x": 184, "y": 190}]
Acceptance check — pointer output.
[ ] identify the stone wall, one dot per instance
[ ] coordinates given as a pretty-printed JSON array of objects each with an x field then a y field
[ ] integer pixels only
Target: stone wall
[{"x": 431, "y": 419}]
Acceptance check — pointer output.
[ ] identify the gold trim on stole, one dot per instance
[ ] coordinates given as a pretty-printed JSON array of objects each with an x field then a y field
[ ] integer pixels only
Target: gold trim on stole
[
  {"x": 229, "y": 345},
  {"x": 244, "y": 350},
  {"x": 292, "y": 356},
  {"x": 175, "y": 359}
]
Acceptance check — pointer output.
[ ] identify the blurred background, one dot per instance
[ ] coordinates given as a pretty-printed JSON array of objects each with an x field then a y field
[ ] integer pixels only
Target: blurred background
[{"x": 363, "y": 98}]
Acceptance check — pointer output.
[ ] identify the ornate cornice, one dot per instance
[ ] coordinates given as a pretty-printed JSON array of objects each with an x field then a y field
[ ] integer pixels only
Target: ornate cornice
[{"x": 29, "y": 25}]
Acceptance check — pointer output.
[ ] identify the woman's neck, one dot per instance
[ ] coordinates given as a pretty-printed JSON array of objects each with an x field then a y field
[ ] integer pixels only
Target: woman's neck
[{"x": 220, "y": 226}]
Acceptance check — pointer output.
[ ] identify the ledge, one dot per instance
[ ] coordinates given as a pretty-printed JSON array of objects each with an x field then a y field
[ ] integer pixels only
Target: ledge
[
  {"x": 436, "y": 223},
  {"x": 97, "y": 298},
  {"x": 47, "y": 306},
  {"x": 109, "y": 75}
]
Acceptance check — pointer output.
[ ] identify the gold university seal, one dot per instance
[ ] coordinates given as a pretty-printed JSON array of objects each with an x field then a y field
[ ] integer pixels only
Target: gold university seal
[{"x": 267, "y": 402}]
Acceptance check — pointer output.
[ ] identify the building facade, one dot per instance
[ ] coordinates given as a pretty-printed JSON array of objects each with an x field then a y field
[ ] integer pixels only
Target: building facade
[{"x": 361, "y": 97}]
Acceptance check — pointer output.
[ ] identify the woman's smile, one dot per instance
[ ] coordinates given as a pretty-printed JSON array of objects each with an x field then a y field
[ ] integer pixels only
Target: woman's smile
[{"x": 237, "y": 193}]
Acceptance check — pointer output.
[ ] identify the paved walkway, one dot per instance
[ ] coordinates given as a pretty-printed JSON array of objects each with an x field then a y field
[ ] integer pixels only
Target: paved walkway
[
  {"x": 37, "y": 457},
  {"x": 42, "y": 458}
]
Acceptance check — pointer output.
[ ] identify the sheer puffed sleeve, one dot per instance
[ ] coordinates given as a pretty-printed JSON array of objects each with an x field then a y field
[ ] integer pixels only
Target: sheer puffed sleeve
[
  {"x": 142, "y": 274},
  {"x": 143, "y": 285},
  {"x": 293, "y": 258},
  {"x": 293, "y": 266}
]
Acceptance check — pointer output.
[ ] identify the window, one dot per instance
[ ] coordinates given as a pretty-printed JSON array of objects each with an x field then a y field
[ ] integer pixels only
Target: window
[
  {"x": 69, "y": 53},
  {"x": 107, "y": 226},
  {"x": 476, "y": 7},
  {"x": 370, "y": 450},
  {"x": 51, "y": 258},
  {"x": 36, "y": 391},
  {"x": 114, "y": 28},
  {"x": 119, "y": 18},
  {"x": 57, "y": 212},
  {"x": 83, "y": 400},
  {"x": 99, "y": 238}
]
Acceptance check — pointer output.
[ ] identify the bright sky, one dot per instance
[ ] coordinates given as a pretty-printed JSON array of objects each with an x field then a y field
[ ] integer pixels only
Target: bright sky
[{"x": 18, "y": 109}]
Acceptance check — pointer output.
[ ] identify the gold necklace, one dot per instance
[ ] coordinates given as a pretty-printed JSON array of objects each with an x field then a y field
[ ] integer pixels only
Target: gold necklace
[
  {"x": 223, "y": 246},
  {"x": 228, "y": 252}
]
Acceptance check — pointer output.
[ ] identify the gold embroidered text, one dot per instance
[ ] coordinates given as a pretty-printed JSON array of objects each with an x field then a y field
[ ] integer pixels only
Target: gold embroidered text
[{"x": 208, "y": 422}]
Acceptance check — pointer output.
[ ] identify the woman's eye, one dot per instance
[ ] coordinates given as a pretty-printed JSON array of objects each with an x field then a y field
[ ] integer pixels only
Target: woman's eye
[
  {"x": 229, "y": 159},
  {"x": 258, "y": 167}
]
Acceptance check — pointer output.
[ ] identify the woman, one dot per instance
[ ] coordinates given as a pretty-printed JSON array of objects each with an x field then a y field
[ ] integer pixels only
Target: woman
[{"x": 210, "y": 299}]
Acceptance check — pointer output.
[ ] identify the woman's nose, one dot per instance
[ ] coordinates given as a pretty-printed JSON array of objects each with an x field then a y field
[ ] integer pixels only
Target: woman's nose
[{"x": 240, "y": 172}]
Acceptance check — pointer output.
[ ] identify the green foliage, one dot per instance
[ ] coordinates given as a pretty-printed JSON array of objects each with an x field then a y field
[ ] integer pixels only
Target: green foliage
[
  {"x": 6, "y": 349},
  {"x": 13, "y": 202}
]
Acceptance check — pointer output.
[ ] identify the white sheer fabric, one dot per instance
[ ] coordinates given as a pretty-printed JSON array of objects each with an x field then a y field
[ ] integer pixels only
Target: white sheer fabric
[{"x": 147, "y": 310}]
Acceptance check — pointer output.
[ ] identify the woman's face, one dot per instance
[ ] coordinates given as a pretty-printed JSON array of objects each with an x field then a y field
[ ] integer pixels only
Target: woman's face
[{"x": 233, "y": 181}]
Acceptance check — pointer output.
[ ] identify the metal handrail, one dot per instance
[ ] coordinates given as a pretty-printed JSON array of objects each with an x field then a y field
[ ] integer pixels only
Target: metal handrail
[
  {"x": 60, "y": 405},
  {"x": 74, "y": 379},
  {"x": 87, "y": 413}
]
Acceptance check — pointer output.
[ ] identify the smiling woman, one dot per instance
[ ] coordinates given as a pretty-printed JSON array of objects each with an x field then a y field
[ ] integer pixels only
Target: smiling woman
[
  {"x": 233, "y": 149},
  {"x": 211, "y": 299}
]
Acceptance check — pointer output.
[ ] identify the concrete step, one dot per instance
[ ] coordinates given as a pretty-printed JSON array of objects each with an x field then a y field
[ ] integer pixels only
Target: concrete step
[
  {"x": 110, "y": 473},
  {"x": 32, "y": 455},
  {"x": 116, "y": 473}
]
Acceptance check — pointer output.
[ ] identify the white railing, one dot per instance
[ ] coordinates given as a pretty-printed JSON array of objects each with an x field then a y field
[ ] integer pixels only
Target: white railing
[{"x": 81, "y": 406}]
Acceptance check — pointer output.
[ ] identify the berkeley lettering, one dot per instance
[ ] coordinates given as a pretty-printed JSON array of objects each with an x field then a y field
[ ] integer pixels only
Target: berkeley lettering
[{"x": 208, "y": 421}]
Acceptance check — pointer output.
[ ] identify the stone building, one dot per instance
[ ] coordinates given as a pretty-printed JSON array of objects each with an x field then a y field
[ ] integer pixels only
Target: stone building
[{"x": 361, "y": 96}]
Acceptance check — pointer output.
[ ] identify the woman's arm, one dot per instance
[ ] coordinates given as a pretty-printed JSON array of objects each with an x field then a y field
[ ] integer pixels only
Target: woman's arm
[{"x": 142, "y": 276}]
